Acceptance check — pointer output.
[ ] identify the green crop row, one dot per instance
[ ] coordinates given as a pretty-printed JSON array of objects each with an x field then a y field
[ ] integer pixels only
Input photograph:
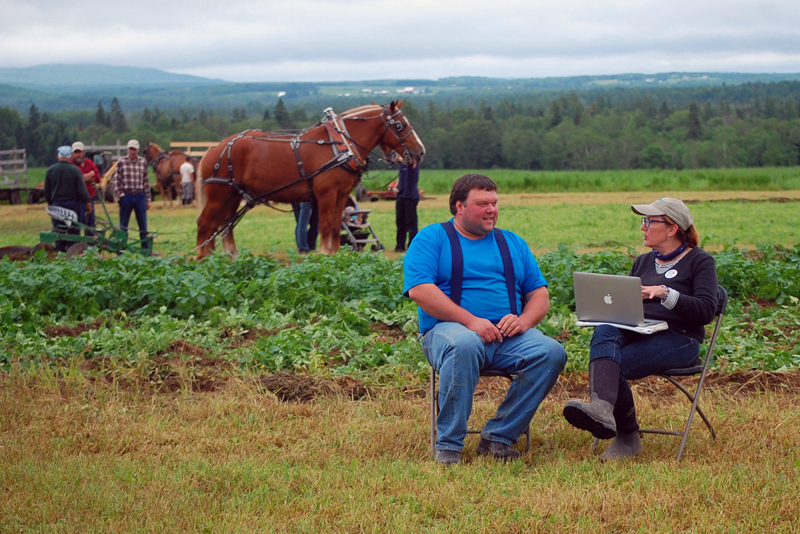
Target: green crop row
[{"x": 329, "y": 314}]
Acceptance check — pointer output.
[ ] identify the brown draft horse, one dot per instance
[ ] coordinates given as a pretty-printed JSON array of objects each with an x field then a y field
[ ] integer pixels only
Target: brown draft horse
[
  {"x": 326, "y": 161},
  {"x": 166, "y": 166}
]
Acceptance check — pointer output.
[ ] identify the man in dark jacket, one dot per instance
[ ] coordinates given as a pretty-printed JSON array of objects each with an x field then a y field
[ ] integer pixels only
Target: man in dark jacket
[
  {"x": 64, "y": 186},
  {"x": 406, "y": 205}
]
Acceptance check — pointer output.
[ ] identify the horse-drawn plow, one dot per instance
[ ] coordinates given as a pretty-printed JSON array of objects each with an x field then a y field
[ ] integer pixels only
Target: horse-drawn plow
[{"x": 103, "y": 236}]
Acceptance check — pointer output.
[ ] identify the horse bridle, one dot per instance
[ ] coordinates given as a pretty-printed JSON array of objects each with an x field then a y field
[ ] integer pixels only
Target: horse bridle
[{"x": 392, "y": 122}]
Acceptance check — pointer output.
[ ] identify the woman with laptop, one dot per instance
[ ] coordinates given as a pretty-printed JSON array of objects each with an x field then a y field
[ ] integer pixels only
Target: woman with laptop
[{"x": 679, "y": 286}]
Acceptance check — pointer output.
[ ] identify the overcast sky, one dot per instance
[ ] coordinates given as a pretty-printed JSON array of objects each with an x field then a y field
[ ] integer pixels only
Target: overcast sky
[{"x": 331, "y": 40}]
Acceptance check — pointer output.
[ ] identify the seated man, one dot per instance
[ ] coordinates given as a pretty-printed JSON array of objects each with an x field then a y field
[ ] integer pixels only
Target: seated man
[{"x": 480, "y": 294}]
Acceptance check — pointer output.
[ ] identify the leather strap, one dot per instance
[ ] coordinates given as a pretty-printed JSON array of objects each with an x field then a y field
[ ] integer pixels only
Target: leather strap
[{"x": 457, "y": 274}]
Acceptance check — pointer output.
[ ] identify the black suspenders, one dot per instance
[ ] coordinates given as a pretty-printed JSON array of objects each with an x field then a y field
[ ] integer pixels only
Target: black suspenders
[{"x": 457, "y": 276}]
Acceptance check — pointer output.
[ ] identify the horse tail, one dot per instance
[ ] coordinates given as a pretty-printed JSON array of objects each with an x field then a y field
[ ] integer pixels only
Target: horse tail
[{"x": 199, "y": 186}]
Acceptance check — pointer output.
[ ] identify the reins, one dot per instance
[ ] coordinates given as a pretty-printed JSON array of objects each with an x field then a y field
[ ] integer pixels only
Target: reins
[{"x": 349, "y": 157}]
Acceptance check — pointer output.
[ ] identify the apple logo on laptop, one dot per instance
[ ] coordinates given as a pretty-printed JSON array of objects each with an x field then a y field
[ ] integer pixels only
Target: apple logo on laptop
[{"x": 607, "y": 299}]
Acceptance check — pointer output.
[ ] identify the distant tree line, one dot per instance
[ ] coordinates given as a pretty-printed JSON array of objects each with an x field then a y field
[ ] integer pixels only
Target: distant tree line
[{"x": 748, "y": 125}]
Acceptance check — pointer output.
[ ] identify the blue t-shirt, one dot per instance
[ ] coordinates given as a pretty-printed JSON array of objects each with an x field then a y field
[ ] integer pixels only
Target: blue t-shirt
[{"x": 484, "y": 292}]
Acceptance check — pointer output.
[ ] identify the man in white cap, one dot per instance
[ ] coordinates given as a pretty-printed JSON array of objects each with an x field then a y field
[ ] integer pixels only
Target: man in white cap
[
  {"x": 132, "y": 189},
  {"x": 64, "y": 187},
  {"x": 91, "y": 175}
]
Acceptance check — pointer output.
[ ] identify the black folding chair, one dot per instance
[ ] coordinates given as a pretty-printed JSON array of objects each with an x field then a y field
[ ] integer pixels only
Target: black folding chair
[
  {"x": 435, "y": 407},
  {"x": 672, "y": 375}
]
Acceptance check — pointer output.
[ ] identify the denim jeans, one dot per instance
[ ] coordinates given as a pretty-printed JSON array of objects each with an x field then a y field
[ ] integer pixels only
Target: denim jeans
[
  {"x": 138, "y": 204},
  {"x": 638, "y": 356},
  {"x": 303, "y": 216},
  {"x": 458, "y": 355}
]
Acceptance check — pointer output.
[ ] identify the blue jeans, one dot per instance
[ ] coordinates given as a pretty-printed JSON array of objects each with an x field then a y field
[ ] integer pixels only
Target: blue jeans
[
  {"x": 458, "y": 355},
  {"x": 303, "y": 217},
  {"x": 638, "y": 356},
  {"x": 138, "y": 204}
]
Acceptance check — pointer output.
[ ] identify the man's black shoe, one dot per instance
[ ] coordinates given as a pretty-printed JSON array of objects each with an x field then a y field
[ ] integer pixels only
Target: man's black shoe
[
  {"x": 448, "y": 457},
  {"x": 497, "y": 450}
]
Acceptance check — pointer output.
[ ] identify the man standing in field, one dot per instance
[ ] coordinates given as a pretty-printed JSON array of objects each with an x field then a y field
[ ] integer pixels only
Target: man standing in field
[
  {"x": 64, "y": 187},
  {"x": 91, "y": 175},
  {"x": 187, "y": 182},
  {"x": 406, "y": 204},
  {"x": 132, "y": 189},
  {"x": 480, "y": 295}
]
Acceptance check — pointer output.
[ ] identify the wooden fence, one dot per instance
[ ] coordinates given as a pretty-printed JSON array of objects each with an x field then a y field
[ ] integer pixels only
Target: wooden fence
[
  {"x": 14, "y": 172},
  {"x": 192, "y": 148},
  {"x": 14, "y": 163}
]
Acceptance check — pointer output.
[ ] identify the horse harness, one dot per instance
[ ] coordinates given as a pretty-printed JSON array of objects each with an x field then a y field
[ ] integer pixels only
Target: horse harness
[
  {"x": 343, "y": 147},
  {"x": 344, "y": 155},
  {"x": 159, "y": 159}
]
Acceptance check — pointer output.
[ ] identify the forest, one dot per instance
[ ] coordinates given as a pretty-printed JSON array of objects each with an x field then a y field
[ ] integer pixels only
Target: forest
[{"x": 746, "y": 125}]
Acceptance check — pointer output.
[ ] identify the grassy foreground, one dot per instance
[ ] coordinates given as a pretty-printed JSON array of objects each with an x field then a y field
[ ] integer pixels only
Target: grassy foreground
[
  {"x": 121, "y": 429},
  {"x": 82, "y": 457}
]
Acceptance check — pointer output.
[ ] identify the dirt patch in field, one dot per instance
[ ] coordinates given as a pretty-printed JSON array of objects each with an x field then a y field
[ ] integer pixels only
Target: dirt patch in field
[
  {"x": 22, "y": 252},
  {"x": 183, "y": 366},
  {"x": 248, "y": 337},
  {"x": 73, "y": 331},
  {"x": 779, "y": 200},
  {"x": 186, "y": 366},
  {"x": 386, "y": 333},
  {"x": 291, "y": 387}
]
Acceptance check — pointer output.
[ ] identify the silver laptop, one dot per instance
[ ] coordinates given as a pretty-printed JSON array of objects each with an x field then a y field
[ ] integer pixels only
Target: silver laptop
[{"x": 612, "y": 299}]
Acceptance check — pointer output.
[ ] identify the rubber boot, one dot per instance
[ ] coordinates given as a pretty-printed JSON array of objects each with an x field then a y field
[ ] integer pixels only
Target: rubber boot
[
  {"x": 623, "y": 446},
  {"x": 597, "y": 415}
]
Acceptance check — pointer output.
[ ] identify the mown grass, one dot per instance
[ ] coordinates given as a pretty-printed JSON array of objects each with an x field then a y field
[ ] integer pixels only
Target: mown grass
[
  {"x": 132, "y": 446},
  {"x": 516, "y": 181},
  {"x": 599, "y": 220},
  {"x": 78, "y": 457},
  {"x": 439, "y": 181}
]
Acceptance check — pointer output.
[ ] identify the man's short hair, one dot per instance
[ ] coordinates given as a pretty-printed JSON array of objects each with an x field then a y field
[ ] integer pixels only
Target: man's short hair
[{"x": 467, "y": 183}]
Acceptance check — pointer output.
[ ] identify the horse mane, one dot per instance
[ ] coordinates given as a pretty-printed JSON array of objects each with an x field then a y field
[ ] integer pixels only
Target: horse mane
[
  {"x": 360, "y": 109},
  {"x": 199, "y": 188},
  {"x": 156, "y": 146}
]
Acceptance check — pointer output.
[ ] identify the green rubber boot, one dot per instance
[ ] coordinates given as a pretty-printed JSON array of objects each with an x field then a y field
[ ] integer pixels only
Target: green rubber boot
[{"x": 623, "y": 446}]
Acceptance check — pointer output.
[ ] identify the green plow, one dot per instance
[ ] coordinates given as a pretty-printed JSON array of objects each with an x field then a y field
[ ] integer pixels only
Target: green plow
[{"x": 106, "y": 236}]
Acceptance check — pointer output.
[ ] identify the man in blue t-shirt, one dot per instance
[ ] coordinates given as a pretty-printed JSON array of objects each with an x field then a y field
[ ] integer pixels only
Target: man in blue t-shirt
[{"x": 484, "y": 330}]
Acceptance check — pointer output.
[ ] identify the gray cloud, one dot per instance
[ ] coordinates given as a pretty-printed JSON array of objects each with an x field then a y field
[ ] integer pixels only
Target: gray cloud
[{"x": 356, "y": 39}]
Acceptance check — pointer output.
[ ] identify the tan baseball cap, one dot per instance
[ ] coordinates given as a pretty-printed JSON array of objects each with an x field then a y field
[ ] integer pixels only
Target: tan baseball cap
[
  {"x": 671, "y": 207},
  {"x": 77, "y": 145},
  {"x": 133, "y": 143}
]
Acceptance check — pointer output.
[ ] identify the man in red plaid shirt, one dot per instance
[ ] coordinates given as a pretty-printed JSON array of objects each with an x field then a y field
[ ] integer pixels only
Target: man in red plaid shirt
[{"x": 132, "y": 189}]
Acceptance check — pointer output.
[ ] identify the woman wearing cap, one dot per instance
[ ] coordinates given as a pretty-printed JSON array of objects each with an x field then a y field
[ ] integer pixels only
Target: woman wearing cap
[{"x": 679, "y": 286}]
